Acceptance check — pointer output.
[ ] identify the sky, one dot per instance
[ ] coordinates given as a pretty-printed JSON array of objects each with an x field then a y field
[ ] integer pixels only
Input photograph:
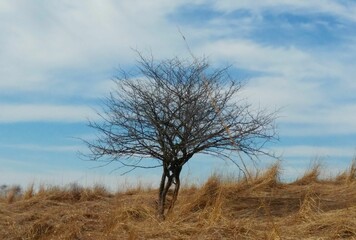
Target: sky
[{"x": 58, "y": 58}]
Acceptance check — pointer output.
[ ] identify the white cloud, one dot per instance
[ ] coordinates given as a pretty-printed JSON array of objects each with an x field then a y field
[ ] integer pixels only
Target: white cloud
[
  {"x": 46, "y": 148},
  {"x": 44, "y": 112},
  {"x": 329, "y": 120},
  {"x": 278, "y": 92},
  {"x": 42, "y": 38},
  {"x": 308, "y": 151},
  {"x": 288, "y": 62},
  {"x": 297, "y": 82}
]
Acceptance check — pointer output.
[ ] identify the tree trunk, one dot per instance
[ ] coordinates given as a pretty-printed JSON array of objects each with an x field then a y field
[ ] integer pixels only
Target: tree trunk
[
  {"x": 176, "y": 175},
  {"x": 160, "y": 207},
  {"x": 166, "y": 182}
]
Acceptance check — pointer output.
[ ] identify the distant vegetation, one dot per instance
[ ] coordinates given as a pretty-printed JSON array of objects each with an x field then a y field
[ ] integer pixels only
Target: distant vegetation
[{"x": 259, "y": 207}]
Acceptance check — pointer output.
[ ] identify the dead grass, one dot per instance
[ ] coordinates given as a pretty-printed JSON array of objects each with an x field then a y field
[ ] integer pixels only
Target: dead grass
[
  {"x": 262, "y": 208},
  {"x": 349, "y": 175},
  {"x": 29, "y": 192},
  {"x": 12, "y": 193},
  {"x": 311, "y": 175}
]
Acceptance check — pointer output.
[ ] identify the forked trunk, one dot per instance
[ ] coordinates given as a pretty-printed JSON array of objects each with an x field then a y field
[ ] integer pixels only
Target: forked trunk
[
  {"x": 176, "y": 175},
  {"x": 166, "y": 182},
  {"x": 175, "y": 193}
]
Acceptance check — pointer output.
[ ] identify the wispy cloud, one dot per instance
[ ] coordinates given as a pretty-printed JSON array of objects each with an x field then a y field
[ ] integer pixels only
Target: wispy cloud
[
  {"x": 311, "y": 86},
  {"x": 42, "y": 112},
  {"x": 45, "y": 148},
  {"x": 41, "y": 39},
  {"x": 308, "y": 151}
]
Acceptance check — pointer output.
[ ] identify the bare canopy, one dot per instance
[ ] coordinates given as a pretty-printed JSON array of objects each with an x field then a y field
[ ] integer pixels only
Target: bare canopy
[{"x": 172, "y": 110}]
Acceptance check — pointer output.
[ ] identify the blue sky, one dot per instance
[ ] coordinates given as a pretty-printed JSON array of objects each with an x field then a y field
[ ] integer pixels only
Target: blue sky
[{"x": 57, "y": 59}]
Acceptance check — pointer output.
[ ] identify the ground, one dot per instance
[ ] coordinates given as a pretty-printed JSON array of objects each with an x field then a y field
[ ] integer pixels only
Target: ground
[{"x": 258, "y": 207}]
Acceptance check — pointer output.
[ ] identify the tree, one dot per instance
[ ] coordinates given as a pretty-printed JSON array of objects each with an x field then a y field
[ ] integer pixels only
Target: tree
[{"x": 173, "y": 110}]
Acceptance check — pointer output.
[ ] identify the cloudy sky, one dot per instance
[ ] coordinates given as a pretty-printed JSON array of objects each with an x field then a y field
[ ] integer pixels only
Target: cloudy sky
[{"x": 57, "y": 59}]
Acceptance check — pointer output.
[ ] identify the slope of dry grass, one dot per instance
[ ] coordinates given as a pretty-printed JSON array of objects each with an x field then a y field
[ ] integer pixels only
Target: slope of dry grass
[{"x": 257, "y": 208}]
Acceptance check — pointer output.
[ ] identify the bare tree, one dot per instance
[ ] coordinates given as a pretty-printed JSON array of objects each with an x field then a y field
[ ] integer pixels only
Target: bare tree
[{"x": 173, "y": 110}]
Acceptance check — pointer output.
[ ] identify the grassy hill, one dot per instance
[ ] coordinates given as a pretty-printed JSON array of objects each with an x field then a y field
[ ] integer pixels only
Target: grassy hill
[{"x": 258, "y": 208}]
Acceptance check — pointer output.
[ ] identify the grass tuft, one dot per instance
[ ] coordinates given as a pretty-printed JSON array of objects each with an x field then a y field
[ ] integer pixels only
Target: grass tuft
[
  {"x": 29, "y": 193},
  {"x": 311, "y": 175},
  {"x": 269, "y": 178},
  {"x": 349, "y": 175},
  {"x": 208, "y": 195},
  {"x": 13, "y": 193}
]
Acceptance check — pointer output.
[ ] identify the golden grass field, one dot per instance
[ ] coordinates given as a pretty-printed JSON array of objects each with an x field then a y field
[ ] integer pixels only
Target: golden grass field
[{"x": 223, "y": 208}]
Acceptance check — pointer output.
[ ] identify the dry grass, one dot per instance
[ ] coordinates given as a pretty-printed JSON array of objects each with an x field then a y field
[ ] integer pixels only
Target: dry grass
[
  {"x": 349, "y": 175},
  {"x": 311, "y": 175},
  {"x": 261, "y": 208}
]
